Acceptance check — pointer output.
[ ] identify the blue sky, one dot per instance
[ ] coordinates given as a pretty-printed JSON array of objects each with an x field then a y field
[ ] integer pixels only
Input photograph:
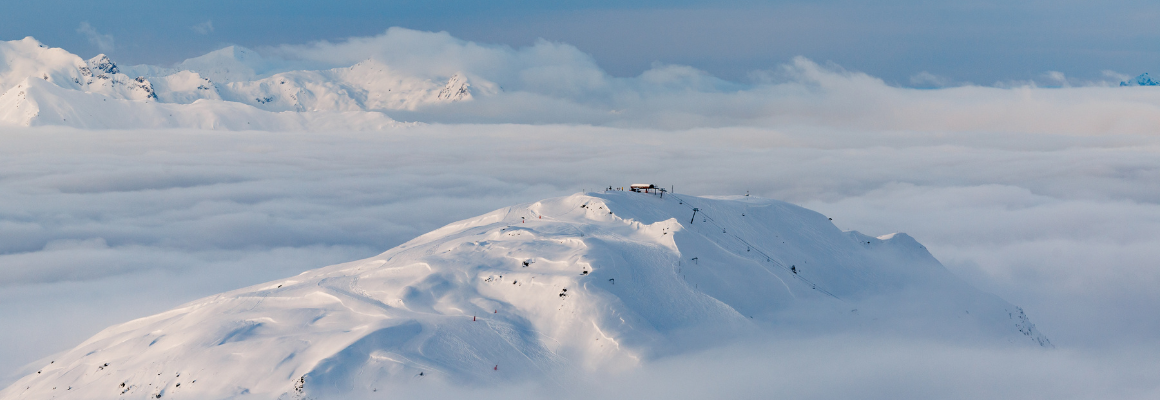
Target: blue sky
[{"x": 981, "y": 41}]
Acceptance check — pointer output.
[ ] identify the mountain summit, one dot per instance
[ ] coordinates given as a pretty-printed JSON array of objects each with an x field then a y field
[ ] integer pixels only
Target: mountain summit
[
  {"x": 1142, "y": 80},
  {"x": 590, "y": 281}
]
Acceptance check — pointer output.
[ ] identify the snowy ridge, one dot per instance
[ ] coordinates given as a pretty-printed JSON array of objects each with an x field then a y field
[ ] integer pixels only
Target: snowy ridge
[
  {"x": 26, "y": 59},
  {"x": 1141, "y": 80},
  {"x": 243, "y": 90},
  {"x": 590, "y": 281},
  {"x": 369, "y": 85},
  {"x": 229, "y": 64},
  {"x": 35, "y": 102}
]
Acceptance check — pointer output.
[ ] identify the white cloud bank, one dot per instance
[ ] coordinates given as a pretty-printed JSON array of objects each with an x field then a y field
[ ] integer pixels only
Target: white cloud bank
[
  {"x": 850, "y": 367},
  {"x": 102, "y": 227},
  {"x": 550, "y": 82}
]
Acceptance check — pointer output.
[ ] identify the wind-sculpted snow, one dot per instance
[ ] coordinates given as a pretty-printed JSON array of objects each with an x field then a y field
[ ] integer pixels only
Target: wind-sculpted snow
[{"x": 597, "y": 281}]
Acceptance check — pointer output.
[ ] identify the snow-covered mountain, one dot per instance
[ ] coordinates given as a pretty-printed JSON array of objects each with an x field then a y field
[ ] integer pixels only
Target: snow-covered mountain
[
  {"x": 232, "y": 88},
  {"x": 369, "y": 85},
  {"x": 22, "y": 60},
  {"x": 1141, "y": 80},
  {"x": 590, "y": 281}
]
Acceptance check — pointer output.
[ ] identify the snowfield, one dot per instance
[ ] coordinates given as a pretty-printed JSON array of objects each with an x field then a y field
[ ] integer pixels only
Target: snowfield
[{"x": 596, "y": 281}]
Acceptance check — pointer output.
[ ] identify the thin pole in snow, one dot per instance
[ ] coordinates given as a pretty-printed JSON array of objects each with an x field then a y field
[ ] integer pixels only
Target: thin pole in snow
[{"x": 694, "y": 215}]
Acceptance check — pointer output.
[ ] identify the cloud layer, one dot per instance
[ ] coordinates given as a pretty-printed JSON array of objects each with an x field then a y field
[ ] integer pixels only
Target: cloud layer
[
  {"x": 102, "y": 227},
  {"x": 549, "y": 82}
]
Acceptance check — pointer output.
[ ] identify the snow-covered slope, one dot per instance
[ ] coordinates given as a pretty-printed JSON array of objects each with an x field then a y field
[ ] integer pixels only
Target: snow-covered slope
[
  {"x": 599, "y": 280},
  {"x": 229, "y": 64},
  {"x": 35, "y": 102},
  {"x": 369, "y": 85},
  {"x": 232, "y": 88},
  {"x": 28, "y": 59}
]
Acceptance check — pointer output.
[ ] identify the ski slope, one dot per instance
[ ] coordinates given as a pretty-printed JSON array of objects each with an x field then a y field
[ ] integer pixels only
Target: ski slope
[{"x": 595, "y": 281}]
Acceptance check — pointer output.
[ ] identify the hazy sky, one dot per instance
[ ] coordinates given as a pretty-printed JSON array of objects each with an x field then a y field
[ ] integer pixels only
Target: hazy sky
[{"x": 979, "y": 41}]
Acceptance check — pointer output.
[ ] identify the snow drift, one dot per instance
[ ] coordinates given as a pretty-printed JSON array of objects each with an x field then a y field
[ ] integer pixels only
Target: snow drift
[{"x": 591, "y": 281}]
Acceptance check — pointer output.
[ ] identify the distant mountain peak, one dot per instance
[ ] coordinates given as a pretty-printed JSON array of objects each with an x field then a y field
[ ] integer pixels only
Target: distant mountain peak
[
  {"x": 229, "y": 64},
  {"x": 457, "y": 89},
  {"x": 239, "y": 80},
  {"x": 1142, "y": 80},
  {"x": 102, "y": 63}
]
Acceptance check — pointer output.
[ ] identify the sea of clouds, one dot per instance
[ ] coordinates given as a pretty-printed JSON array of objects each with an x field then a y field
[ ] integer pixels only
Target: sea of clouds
[
  {"x": 556, "y": 83},
  {"x": 1047, "y": 197}
]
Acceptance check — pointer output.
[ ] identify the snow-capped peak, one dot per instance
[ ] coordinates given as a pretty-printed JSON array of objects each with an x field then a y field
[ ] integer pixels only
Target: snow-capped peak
[
  {"x": 234, "y": 78},
  {"x": 102, "y": 64},
  {"x": 1142, "y": 80},
  {"x": 229, "y": 64},
  {"x": 455, "y": 90},
  {"x": 29, "y": 58}
]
